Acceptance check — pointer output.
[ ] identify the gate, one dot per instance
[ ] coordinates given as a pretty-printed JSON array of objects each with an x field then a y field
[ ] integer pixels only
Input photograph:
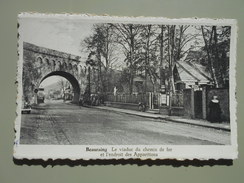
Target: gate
[
  {"x": 198, "y": 104},
  {"x": 154, "y": 100}
]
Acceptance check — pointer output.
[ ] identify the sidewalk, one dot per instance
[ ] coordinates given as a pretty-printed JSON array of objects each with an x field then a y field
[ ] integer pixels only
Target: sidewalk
[{"x": 177, "y": 119}]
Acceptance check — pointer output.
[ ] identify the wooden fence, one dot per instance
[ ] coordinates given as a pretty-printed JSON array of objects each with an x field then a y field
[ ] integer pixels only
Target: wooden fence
[{"x": 177, "y": 99}]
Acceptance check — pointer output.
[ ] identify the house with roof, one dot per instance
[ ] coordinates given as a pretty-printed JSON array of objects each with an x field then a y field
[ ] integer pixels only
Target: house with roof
[{"x": 190, "y": 75}]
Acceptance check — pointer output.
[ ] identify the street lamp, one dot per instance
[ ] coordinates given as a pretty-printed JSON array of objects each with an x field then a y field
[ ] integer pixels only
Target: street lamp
[{"x": 90, "y": 63}]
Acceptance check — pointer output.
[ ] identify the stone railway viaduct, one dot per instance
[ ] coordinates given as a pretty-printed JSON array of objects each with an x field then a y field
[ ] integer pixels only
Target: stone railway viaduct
[{"x": 47, "y": 62}]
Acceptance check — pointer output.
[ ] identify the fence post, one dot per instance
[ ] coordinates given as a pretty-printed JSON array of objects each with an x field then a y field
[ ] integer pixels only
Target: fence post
[
  {"x": 192, "y": 104},
  {"x": 204, "y": 102},
  {"x": 150, "y": 100}
]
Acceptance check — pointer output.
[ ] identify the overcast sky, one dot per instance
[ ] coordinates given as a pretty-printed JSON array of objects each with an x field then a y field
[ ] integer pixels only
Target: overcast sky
[{"x": 59, "y": 34}]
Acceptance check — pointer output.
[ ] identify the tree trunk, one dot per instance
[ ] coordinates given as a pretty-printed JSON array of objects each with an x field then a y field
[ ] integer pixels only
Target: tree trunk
[
  {"x": 172, "y": 58},
  {"x": 212, "y": 70},
  {"x": 162, "y": 65},
  {"x": 131, "y": 58},
  {"x": 131, "y": 81},
  {"x": 220, "y": 78},
  {"x": 148, "y": 29},
  {"x": 106, "y": 82},
  {"x": 179, "y": 43},
  {"x": 99, "y": 79}
]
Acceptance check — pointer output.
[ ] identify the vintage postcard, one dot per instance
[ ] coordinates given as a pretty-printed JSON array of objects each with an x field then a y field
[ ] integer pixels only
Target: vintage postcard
[{"x": 104, "y": 87}]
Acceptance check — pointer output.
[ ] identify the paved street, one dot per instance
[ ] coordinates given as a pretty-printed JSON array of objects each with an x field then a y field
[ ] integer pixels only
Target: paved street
[{"x": 64, "y": 123}]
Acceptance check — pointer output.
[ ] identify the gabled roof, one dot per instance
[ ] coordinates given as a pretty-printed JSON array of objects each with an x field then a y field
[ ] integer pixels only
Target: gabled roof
[{"x": 189, "y": 72}]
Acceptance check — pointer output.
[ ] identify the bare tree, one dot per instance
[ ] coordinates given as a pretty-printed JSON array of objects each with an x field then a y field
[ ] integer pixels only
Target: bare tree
[
  {"x": 127, "y": 36},
  {"x": 208, "y": 44},
  {"x": 161, "y": 49},
  {"x": 101, "y": 45},
  {"x": 171, "y": 52},
  {"x": 179, "y": 45},
  {"x": 149, "y": 56},
  {"x": 217, "y": 44}
]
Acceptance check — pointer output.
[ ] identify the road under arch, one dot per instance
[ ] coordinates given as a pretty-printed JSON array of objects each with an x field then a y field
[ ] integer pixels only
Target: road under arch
[{"x": 71, "y": 79}]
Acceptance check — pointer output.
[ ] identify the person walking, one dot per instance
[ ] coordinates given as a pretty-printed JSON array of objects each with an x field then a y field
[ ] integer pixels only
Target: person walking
[{"x": 81, "y": 102}]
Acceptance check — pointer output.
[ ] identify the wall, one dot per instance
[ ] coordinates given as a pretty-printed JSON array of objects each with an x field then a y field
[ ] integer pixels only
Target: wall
[
  {"x": 120, "y": 105},
  {"x": 187, "y": 100}
]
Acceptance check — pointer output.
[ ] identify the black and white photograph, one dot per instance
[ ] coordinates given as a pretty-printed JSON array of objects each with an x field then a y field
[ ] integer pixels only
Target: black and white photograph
[{"x": 108, "y": 87}]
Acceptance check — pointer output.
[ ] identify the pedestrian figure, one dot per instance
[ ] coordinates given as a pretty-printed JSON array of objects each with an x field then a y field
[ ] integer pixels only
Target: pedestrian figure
[
  {"x": 115, "y": 91},
  {"x": 142, "y": 106},
  {"x": 81, "y": 102},
  {"x": 214, "y": 110},
  {"x": 96, "y": 100},
  {"x": 101, "y": 99},
  {"x": 93, "y": 101}
]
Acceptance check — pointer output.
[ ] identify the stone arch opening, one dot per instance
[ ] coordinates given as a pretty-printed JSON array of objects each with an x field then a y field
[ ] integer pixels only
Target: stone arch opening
[
  {"x": 65, "y": 65},
  {"x": 59, "y": 65},
  {"x": 47, "y": 61},
  {"x": 39, "y": 61},
  {"x": 70, "y": 66},
  {"x": 75, "y": 69},
  {"x": 73, "y": 81}
]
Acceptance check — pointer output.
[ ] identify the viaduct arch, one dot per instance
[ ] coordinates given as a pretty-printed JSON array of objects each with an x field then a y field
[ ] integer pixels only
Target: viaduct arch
[
  {"x": 40, "y": 63},
  {"x": 73, "y": 81}
]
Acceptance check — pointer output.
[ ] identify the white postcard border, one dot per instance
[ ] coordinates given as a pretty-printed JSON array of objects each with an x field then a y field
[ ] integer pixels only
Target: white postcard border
[{"x": 179, "y": 152}]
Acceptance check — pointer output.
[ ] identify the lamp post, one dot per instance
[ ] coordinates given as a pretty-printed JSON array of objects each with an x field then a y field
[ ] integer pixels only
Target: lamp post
[
  {"x": 89, "y": 83},
  {"x": 90, "y": 63}
]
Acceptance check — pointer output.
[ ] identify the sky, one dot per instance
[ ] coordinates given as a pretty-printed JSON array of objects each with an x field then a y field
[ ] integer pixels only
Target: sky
[{"x": 58, "y": 34}]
